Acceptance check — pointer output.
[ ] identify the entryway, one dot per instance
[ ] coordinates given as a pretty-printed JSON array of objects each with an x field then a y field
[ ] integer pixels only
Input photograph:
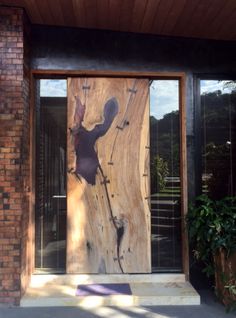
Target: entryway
[
  {"x": 111, "y": 192},
  {"x": 108, "y": 176}
]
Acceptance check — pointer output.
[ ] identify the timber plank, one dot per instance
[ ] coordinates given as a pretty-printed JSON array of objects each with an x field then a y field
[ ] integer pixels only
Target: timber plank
[
  {"x": 149, "y": 15},
  {"x": 109, "y": 218}
]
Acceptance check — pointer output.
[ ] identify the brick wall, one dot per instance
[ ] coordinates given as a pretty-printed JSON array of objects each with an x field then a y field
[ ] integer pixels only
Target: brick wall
[{"x": 14, "y": 154}]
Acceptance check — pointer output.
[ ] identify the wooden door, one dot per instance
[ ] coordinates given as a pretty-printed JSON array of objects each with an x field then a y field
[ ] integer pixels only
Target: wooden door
[{"x": 108, "y": 176}]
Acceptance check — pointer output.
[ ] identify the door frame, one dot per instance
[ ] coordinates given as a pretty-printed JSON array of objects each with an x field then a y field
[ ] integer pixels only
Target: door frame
[{"x": 61, "y": 74}]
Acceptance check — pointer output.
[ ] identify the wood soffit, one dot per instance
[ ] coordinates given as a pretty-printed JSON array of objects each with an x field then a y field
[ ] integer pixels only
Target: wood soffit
[{"x": 205, "y": 19}]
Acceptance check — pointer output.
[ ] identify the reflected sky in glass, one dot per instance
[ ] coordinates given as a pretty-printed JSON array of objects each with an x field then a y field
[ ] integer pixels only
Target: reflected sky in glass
[
  {"x": 164, "y": 97},
  {"x": 53, "y": 88},
  {"x": 209, "y": 86},
  {"x": 168, "y": 91}
]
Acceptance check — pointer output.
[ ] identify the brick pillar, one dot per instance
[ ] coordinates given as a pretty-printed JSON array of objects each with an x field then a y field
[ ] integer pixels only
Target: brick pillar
[{"x": 14, "y": 153}]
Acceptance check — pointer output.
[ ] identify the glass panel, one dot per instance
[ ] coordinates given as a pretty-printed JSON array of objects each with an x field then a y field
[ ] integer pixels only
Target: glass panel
[
  {"x": 51, "y": 177},
  {"x": 165, "y": 175},
  {"x": 218, "y": 113}
]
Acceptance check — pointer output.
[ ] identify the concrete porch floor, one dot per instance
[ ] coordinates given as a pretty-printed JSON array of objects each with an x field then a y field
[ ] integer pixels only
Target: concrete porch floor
[
  {"x": 209, "y": 308},
  {"x": 147, "y": 290}
]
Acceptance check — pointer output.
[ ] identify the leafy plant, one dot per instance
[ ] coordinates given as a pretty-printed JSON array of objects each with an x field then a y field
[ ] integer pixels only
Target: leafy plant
[
  {"x": 212, "y": 230},
  {"x": 159, "y": 172},
  {"x": 219, "y": 170}
]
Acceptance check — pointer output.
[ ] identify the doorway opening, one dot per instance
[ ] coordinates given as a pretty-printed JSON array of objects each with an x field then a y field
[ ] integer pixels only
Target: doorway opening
[{"x": 164, "y": 196}]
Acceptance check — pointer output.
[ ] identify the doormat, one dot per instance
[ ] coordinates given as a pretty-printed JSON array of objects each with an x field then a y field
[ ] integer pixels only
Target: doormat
[{"x": 103, "y": 289}]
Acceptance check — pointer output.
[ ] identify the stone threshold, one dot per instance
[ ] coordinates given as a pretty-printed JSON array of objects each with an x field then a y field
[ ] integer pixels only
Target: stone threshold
[{"x": 147, "y": 290}]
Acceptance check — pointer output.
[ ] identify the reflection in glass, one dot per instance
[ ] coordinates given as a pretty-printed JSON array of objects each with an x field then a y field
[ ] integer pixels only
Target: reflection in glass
[
  {"x": 165, "y": 175},
  {"x": 50, "y": 218},
  {"x": 53, "y": 88},
  {"x": 218, "y": 126}
]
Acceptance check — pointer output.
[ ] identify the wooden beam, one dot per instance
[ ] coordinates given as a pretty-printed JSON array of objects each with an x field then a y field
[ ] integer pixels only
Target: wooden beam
[
  {"x": 34, "y": 99},
  {"x": 183, "y": 176},
  {"x": 109, "y": 73}
]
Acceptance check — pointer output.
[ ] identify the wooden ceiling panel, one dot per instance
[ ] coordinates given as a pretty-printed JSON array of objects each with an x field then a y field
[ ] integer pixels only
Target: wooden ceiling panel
[
  {"x": 103, "y": 14},
  {"x": 44, "y": 10},
  {"x": 198, "y": 15},
  {"x": 229, "y": 26},
  {"x": 173, "y": 16},
  {"x": 206, "y": 13},
  {"x": 56, "y": 11},
  {"x": 114, "y": 15},
  {"x": 32, "y": 11},
  {"x": 149, "y": 15},
  {"x": 126, "y": 15},
  {"x": 213, "y": 19},
  {"x": 80, "y": 18},
  {"x": 163, "y": 10},
  {"x": 67, "y": 11},
  {"x": 90, "y": 8},
  {"x": 223, "y": 16},
  {"x": 137, "y": 16},
  {"x": 184, "y": 20}
]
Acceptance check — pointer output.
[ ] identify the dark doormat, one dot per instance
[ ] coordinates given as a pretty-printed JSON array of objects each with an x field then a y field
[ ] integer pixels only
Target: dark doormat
[{"x": 103, "y": 289}]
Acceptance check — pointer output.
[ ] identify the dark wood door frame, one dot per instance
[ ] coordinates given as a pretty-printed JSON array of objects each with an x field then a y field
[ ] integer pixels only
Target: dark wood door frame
[{"x": 181, "y": 76}]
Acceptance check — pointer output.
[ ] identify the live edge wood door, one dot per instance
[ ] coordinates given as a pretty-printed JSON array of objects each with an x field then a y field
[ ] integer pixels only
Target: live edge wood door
[{"x": 108, "y": 223}]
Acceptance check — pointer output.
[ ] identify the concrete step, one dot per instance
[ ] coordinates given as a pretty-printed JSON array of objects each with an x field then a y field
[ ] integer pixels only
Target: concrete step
[
  {"x": 147, "y": 290},
  {"x": 41, "y": 280}
]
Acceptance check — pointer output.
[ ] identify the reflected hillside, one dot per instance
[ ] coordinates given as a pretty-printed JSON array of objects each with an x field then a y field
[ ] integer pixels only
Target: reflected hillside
[
  {"x": 218, "y": 113},
  {"x": 164, "y": 139}
]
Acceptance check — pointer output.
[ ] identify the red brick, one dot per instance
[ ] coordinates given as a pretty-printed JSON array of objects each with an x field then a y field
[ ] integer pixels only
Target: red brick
[
  {"x": 19, "y": 44},
  {"x": 5, "y": 150},
  {"x": 14, "y": 132},
  {"x": 12, "y": 155}
]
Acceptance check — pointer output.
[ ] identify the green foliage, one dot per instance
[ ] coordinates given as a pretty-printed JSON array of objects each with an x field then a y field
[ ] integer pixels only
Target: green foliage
[
  {"x": 229, "y": 291},
  {"x": 218, "y": 114},
  {"x": 165, "y": 140},
  {"x": 159, "y": 172},
  {"x": 218, "y": 159},
  {"x": 212, "y": 225}
]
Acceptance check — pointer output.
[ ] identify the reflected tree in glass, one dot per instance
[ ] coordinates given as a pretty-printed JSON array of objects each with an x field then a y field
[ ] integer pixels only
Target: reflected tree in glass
[
  {"x": 165, "y": 175},
  {"x": 218, "y": 112}
]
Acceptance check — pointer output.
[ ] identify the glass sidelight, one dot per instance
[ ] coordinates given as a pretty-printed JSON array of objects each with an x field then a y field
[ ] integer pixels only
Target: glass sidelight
[
  {"x": 50, "y": 218},
  {"x": 218, "y": 135},
  {"x": 165, "y": 176}
]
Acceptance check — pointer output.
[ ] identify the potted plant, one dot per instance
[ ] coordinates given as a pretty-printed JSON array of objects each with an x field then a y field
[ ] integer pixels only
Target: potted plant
[{"x": 212, "y": 233}]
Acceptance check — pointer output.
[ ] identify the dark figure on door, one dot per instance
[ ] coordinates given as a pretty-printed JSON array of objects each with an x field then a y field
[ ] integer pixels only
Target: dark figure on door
[{"x": 87, "y": 161}]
